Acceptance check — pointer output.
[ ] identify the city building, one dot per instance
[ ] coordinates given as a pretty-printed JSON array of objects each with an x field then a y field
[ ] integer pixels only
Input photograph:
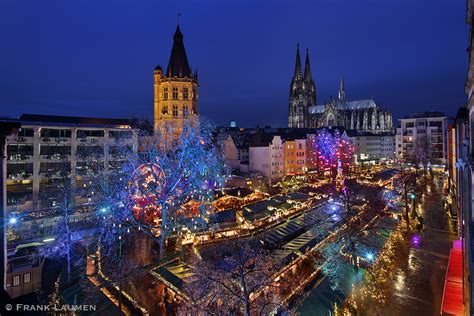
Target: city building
[
  {"x": 175, "y": 91},
  {"x": 398, "y": 143},
  {"x": 423, "y": 138},
  {"x": 236, "y": 146},
  {"x": 303, "y": 111},
  {"x": 230, "y": 152},
  {"x": 45, "y": 156},
  {"x": 295, "y": 156},
  {"x": 464, "y": 152},
  {"x": 372, "y": 148},
  {"x": 267, "y": 156},
  {"x": 452, "y": 158}
]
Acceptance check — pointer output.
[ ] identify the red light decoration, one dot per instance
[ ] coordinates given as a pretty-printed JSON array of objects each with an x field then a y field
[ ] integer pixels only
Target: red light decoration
[{"x": 146, "y": 192}]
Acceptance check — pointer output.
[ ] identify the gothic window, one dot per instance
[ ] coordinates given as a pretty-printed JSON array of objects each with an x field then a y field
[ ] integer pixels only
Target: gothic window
[
  {"x": 175, "y": 110},
  {"x": 185, "y": 111},
  {"x": 185, "y": 93},
  {"x": 165, "y": 93},
  {"x": 175, "y": 93}
]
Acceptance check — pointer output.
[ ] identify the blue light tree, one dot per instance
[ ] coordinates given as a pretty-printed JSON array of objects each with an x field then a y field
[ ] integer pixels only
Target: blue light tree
[{"x": 171, "y": 181}]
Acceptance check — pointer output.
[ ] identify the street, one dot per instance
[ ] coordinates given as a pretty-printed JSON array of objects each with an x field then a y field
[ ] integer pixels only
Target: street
[{"x": 418, "y": 285}]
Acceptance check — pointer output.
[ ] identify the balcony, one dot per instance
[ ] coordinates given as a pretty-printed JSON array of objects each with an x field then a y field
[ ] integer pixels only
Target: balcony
[
  {"x": 19, "y": 157},
  {"x": 56, "y": 157}
]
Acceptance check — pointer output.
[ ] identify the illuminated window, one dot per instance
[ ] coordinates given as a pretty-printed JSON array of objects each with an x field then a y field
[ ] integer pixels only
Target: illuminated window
[
  {"x": 185, "y": 111},
  {"x": 165, "y": 109},
  {"x": 27, "y": 277},
  {"x": 165, "y": 93},
  {"x": 175, "y": 110},
  {"x": 185, "y": 93},
  {"x": 16, "y": 280},
  {"x": 175, "y": 93}
]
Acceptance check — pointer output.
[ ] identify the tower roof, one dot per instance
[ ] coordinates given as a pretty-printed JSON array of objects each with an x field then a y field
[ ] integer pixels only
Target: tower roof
[
  {"x": 307, "y": 68},
  {"x": 178, "y": 65},
  {"x": 298, "y": 72},
  {"x": 341, "y": 84}
]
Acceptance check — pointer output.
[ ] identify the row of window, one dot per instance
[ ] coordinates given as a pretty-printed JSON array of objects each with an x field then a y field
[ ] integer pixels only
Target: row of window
[
  {"x": 298, "y": 162},
  {"x": 26, "y": 279},
  {"x": 175, "y": 93},
  {"x": 175, "y": 110},
  {"x": 66, "y": 133},
  {"x": 300, "y": 146}
]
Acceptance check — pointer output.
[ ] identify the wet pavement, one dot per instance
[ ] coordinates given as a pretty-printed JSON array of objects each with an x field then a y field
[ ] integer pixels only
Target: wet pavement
[{"x": 417, "y": 287}]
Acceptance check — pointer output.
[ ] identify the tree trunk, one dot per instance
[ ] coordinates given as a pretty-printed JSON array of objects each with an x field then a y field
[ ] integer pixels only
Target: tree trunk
[
  {"x": 68, "y": 246},
  {"x": 247, "y": 306},
  {"x": 164, "y": 222},
  {"x": 407, "y": 215}
]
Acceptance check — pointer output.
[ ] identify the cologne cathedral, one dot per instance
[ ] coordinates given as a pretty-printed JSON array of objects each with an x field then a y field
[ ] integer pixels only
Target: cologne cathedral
[{"x": 303, "y": 112}]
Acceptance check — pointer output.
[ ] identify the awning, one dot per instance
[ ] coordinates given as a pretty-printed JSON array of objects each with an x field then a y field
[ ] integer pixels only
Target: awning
[{"x": 453, "y": 288}]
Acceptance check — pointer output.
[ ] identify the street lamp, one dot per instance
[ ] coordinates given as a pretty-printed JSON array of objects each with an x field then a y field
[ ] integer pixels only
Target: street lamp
[{"x": 369, "y": 256}]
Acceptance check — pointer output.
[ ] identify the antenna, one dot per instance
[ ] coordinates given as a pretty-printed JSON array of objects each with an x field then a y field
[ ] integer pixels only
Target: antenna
[{"x": 177, "y": 18}]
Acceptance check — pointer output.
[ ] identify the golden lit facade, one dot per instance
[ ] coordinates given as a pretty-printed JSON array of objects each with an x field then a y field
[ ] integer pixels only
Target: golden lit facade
[
  {"x": 175, "y": 92},
  {"x": 295, "y": 156}
]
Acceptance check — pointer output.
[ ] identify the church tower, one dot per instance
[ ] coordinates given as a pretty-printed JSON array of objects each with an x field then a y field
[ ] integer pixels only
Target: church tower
[
  {"x": 175, "y": 91},
  {"x": 309, "y": 90},
  {"x": 302, "y": 94}
]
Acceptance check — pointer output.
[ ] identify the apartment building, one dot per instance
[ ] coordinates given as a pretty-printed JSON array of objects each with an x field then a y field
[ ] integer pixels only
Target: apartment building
[
  {"x": 266, "y": 156},
  {"x": 295, "y": 156},
  {"x": 423, "y": 138},
  {"x": 373, "y": 148},
  {"x": 43, "y": 157}
]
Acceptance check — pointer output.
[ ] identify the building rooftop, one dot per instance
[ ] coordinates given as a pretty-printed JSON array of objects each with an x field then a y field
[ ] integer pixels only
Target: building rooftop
[
  {"x": 424, "y": 115},
  {"x": 38, "y": 119},
  {"x": 350, "y": 105}
]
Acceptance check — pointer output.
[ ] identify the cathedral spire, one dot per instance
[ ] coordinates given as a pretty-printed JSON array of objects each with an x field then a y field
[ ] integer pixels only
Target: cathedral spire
[
  {"x": 298, "y": 72},
  {"x": 341, "y": 93},
  {"x": 307, "y": 68}
]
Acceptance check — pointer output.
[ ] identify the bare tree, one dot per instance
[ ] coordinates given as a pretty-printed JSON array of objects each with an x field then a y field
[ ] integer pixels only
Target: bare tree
[
  {"x": 407, "y": 180},
  {"x": 242, "y": 280}
]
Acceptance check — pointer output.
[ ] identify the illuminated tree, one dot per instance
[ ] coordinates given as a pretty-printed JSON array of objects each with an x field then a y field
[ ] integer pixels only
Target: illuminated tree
[
  {"x": 327, "y": 149},
  {"x": 240, "y": 280},
  {"x": 344, "y": 149},
  {"x": 355, "y": 229},
  {"x": 58, "y": 194},
  {"x": 171, "y": 181}
]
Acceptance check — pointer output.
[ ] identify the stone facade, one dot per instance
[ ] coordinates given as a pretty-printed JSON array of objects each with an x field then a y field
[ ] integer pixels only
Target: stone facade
[{"x": 175, "y": 91}]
